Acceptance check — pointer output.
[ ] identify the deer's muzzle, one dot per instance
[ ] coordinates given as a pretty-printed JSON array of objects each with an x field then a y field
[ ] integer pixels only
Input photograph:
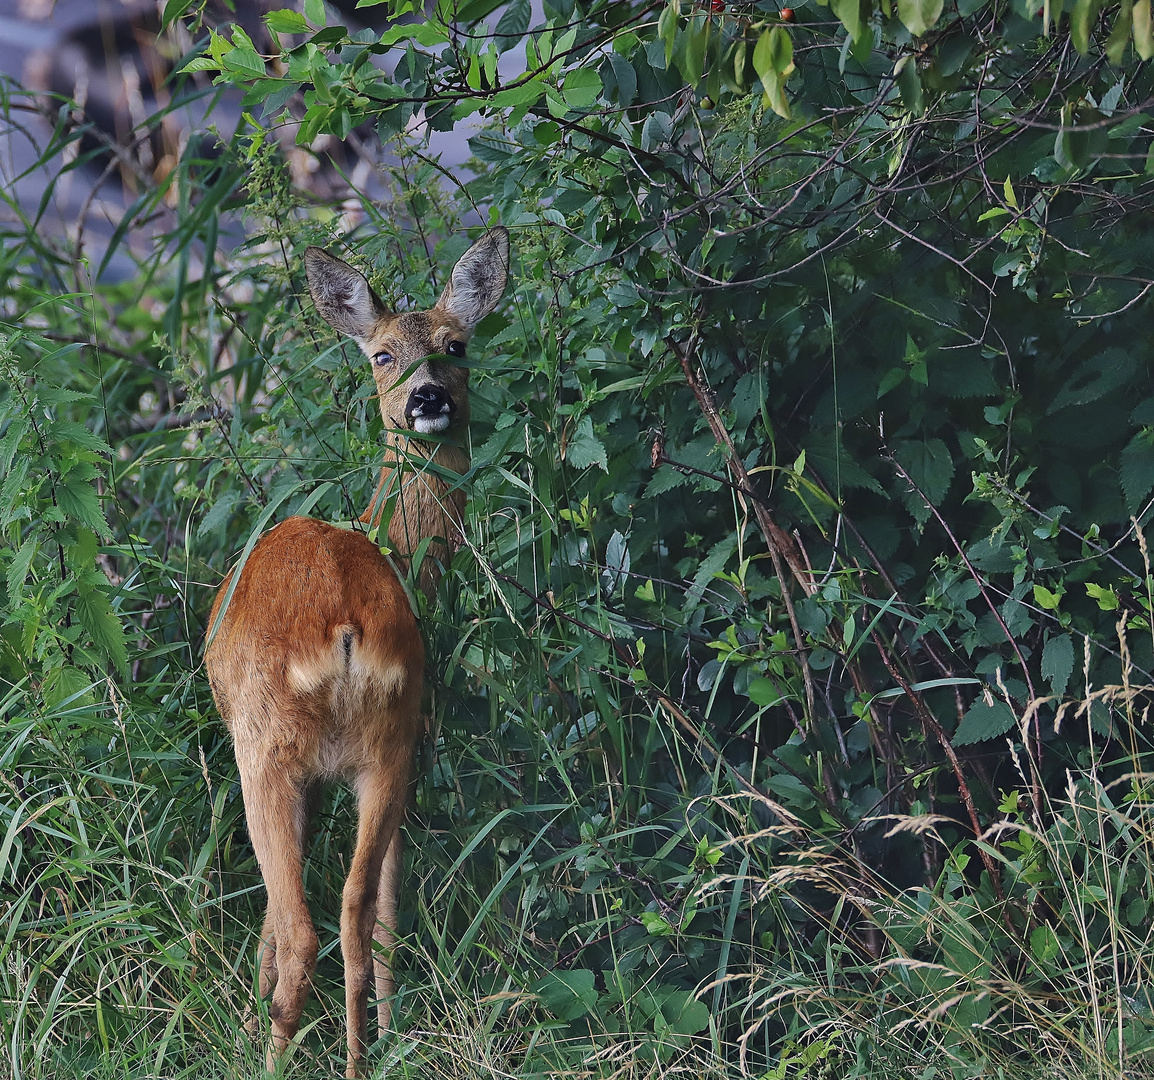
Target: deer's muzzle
[{"x": 429, "y": 409}]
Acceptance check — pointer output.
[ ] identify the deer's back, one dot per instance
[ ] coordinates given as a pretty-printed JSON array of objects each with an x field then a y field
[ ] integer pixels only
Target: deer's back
[{"x": 318, "y": 659}]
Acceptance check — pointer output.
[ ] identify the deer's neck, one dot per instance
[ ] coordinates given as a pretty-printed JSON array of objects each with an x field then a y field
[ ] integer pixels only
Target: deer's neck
[{"x": 429, "y": 501}]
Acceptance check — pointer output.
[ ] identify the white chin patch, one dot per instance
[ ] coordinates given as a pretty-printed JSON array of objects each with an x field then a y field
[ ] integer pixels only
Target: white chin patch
[{"x": 430, "y": 425}]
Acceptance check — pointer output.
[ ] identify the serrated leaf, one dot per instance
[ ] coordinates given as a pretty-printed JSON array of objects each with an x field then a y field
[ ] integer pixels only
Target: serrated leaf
[
  {"x": 1136, "y": 469},
  {"x": 930, "y": 466},
  {"x": 18, "y": 567},
  {"x": 919, "y": 15},
  {"x": 709, "y": 568},
  {"x": 218, "y": 513},
  {"x": 77, "y": 499},
  {"x": 95, "y": 614},
  {"x": 201, "y": 63},
  {"x": 984, "y": 720},
  {"x": 1058, "y": 662},
  {"x": 584, "y": 448},
  {"x": 81, "y": 436}
]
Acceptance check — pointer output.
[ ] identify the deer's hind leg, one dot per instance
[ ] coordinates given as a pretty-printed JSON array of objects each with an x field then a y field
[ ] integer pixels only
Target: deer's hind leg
[
  {"x": 381, "y": 793},
  {"x": 385, "y": 932},
  {"x": 266, "y": 950},
  {"x": 276, "y": 809}
]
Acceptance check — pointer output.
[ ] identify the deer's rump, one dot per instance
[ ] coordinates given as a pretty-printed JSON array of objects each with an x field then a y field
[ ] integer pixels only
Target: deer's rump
[{"x": 317, "y": 626}]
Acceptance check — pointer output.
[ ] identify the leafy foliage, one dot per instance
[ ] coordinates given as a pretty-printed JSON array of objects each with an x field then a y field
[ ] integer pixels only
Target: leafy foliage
[{"x": 789, "y": 698}]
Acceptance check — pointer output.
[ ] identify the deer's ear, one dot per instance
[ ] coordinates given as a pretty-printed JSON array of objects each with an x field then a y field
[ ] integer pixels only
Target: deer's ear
[
  {"x": 342, "y": 295},
  {"x": 478, "y": 280}
]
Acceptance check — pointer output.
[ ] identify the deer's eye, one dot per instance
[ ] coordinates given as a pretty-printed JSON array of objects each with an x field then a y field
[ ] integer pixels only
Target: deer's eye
[
  {"x": 456, "y": 348},
  {"x": 383, "y": 358}
]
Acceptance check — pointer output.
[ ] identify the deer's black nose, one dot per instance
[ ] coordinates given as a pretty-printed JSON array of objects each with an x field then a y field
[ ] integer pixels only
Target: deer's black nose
[{"x": 429, "y": 401}]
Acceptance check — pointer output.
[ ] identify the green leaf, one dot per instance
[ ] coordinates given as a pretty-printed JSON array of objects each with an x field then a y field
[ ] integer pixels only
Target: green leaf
[
  {"x": 244, "y": 62},
  {"x": 773, "y": 63},
  {"x": 568, "y": 995},
  {"x": 1143, "y": 30},
  {"x": 710, "y": 567},
  {"x": 315, "y": 12},
  {"x": 512, "y": 25},
  {"x": 1106, "y": 597},
  {"x": 849, "y": 13},
  {"x": 581, "y": 89},
  {"x": 1120, "y": 32},
  {"x": 286, "y": 21},
  {"x": 94, "y": 611},
  {"x": 690, "y": 1018},
  {"x": 626, "y": 78},
  {"x": 77, "y": 499},
  {"x": 201, "y": 63},
  {"x": 1044, "y": 943},
  {"x": 763, "y": 692},
  {"x": 584, "y": 448},
  {"x": 930, "y": 466},
  {"x": 919, "y": 15},
  {"x": 1095, "y": 378},
  {"x": 656, "y": 924},
  {"x": 1046, "y": 599},
  {"x": 697, "y": 33},
  {"x": 18, "y": 567},
  {"x": 1136, "y": 469},
  {"x": 1082, "y": 19},
  {"x": 910, "y": 85},
  {"x": 984, "y": 720},
  {"x": 1058, "y": 662},
  {"x": 527, "y": 93},
  {"x": 427, "y": 34},
  {"x": 173, "y": 11},
  {"x": 667, "y": 27}
]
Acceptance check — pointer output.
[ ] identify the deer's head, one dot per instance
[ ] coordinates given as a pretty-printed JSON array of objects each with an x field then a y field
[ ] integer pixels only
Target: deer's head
[{"x": 417, "y": 391}]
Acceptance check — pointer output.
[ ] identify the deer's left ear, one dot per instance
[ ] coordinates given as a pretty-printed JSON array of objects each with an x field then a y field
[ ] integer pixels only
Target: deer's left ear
[{"x": 478, "y": 280}]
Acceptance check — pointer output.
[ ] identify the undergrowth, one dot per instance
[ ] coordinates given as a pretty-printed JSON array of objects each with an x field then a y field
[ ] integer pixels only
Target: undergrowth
[{"x": 686, "y": 809}]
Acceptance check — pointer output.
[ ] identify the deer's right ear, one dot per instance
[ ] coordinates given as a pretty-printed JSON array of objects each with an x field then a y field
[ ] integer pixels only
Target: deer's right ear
[{"x": 342, "y": 295}]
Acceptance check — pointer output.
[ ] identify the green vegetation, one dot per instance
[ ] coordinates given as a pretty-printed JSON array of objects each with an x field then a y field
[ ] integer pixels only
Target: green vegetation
[{"x": 789, "y": 702}]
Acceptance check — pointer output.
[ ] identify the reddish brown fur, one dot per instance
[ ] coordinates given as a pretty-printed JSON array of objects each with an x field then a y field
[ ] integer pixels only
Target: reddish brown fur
[{"x": 317, "y": 662}]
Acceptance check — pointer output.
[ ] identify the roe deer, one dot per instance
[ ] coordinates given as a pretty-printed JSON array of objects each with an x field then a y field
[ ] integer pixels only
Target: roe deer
[{"x": 317, "y": 662}]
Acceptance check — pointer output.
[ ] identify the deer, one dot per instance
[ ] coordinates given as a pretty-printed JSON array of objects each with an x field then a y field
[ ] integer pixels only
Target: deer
[{"x": 315, "y": 657}]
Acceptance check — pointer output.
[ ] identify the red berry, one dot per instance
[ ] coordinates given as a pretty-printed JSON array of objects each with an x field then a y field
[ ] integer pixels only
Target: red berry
[
  {"x": 717, "y": 6},
  {"x": 787, "y": 14}
]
